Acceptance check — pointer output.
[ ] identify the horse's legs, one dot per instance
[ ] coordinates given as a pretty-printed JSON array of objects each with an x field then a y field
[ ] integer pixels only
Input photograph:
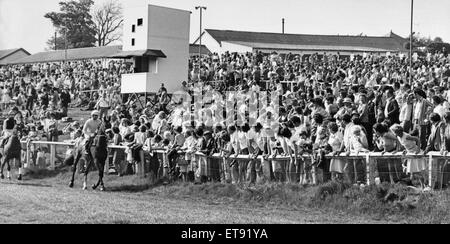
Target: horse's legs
[
  {"x": 19, "y": 177},
  {"x": 3, "y": 162},
  {"x": 100, "y": 173},
  {"x": 100, "y": 163},
  {"x": 88, "y": 167},
  {"x": 74, "y": 168},
  {"x": 8, "y": 167}
]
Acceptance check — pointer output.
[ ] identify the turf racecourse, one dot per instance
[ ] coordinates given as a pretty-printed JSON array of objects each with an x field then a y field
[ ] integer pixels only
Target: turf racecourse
[{"x": 49, "y": 200}]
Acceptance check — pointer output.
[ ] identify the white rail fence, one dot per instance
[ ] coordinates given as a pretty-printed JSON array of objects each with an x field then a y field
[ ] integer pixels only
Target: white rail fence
[{"x": 370, "y": 159}]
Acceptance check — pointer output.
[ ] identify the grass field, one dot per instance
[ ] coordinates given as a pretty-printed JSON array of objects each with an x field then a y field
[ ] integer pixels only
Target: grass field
[
  {"x": 45, "y": 198},
  {"x": 130, "y": 200}
]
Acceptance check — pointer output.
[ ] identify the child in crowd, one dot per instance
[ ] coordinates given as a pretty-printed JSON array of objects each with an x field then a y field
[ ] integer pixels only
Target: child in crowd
[
  {"x": 305, "y": 147},
  {"x": 335, "y": 141},
  {"x": 118, "y": 154},
  {"x": 321, "y": 148},
  {"x": 188, "y": 147},
  {"x": 32, "y": 136},
  {"x": 276, "y": 150}
]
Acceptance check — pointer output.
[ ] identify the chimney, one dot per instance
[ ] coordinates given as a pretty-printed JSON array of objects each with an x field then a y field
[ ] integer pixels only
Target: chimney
[{"x": 283, "y": 25}]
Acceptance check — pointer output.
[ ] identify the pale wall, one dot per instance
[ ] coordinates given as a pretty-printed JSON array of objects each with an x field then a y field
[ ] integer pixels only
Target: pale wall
[
  {"x": 211, "y": 44},
  {"x": 134, "y": 83},
  {"x": 164, "y": 29},
  {"x": 169, "y": 31},
  {"x": 231, "y": 47},
  {"x": 131, "y": 15}
]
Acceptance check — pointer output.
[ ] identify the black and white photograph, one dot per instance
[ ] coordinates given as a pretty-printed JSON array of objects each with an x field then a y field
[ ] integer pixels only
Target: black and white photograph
[{"x": 212, "y": 112}]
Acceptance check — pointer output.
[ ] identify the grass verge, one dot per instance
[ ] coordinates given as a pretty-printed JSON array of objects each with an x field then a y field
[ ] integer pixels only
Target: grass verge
[{"x": 392, "y": 203}]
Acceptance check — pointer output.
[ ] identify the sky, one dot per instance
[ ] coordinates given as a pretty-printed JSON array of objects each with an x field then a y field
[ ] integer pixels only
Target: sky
[{"x": 22, "y": 22}]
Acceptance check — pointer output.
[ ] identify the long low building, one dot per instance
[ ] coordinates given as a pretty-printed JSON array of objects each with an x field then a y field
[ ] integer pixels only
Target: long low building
[
  {"x": 21, "y": 56},
  {"x": 220, "y": 41},
  {"x": 69, "y": 55},
  {"x": 11, "y": 55}
]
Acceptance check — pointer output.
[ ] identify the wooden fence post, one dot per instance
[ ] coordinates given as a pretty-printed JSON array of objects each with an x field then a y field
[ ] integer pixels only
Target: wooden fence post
[
  {"x": 430, "y": 170},
  {"x": 369, "y": 170},
  {"x": 27, "y": 157},
  {"x": 142, "y": 163},
  {"x": 52, "y": 157}
]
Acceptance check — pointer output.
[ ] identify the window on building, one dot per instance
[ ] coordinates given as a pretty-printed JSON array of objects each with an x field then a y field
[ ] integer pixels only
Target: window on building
[
  {"x": 133, "y": 28},
  {"x": 132, "y": 42},
  {"x": 140, "y": 22}
]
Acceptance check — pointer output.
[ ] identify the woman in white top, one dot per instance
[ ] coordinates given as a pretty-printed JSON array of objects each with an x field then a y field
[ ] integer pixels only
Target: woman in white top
[
  {"x": 243, "y": 141},
  {"x": 124, "y": 127},
  {"x": 6, "y": 98},
  {"x": 411, "y": 145},
  {"x": 357, "y": 143},
  {"x": 189, "y": 149}
]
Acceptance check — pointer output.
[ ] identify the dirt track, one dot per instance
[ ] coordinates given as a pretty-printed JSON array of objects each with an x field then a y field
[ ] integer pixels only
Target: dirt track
[{"x": 35, "y": 202}]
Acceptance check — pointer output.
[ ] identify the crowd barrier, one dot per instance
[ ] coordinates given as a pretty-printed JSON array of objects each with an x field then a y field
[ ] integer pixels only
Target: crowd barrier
[{"x": 434, "y": 158}]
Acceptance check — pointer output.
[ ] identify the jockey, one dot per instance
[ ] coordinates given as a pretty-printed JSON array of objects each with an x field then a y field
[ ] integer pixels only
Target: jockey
[
  {"x": 90, "y": 128},
  {"x": 8, "y": 126}
]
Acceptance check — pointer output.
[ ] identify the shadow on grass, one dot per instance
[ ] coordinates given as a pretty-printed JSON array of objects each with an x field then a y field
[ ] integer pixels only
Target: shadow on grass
[
  {"x": 25, "y": 184},
  {"x": 39, "y": 174},
  {"x": 134, "y": 188}
]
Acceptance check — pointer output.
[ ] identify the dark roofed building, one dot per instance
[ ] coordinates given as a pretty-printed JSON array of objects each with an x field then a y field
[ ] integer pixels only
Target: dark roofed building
[
  {"x": 10, "y": 55},
  {"x": 72, "y": 54},
  {"x": 86, "y": 53},
  {"x": 243, "y": 41},
  {"x": 194, "y": 50}
]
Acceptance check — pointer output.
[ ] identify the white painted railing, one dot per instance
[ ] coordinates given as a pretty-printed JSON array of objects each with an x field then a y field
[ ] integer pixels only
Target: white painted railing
[{"x": 369, "y": 158}]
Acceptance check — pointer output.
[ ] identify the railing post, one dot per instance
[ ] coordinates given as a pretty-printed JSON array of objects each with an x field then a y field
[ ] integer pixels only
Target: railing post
[
  {"x": 430, "y": 170},
  {"x": 27, "y": 157},
  {"x": 369, "y": 170},
  {"x": 142, "y": 163},
  {"x": 52, "y": 157}
]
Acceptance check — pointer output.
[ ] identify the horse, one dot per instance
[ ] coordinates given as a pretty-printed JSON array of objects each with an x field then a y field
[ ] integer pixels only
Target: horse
[
  {"x": 96, "y": 152},
  {"x": 12, "y": 150}
]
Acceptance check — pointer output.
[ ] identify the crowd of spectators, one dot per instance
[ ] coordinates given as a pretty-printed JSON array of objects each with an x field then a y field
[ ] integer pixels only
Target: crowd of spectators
[{"x": 317, "y": 104}]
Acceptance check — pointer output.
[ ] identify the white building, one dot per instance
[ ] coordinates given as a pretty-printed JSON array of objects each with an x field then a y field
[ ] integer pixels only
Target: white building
[
  {"x": 220, "y": 41},
  {"x": 157, "y": 38}
]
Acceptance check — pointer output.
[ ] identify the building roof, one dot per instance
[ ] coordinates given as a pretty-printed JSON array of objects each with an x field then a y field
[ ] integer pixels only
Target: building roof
[
  {"x": 193, "y": 49},
  {"x": 8, "y": 52},
  {"x": 90, "y": 53},
  {"x": 392, "y": 42},
  {"x": 72, "y": 54},
  {"x": 140, "y": 53}
]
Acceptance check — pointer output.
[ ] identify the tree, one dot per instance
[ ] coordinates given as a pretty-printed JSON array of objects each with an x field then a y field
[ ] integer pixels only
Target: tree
[
  {"x": 438, "y": 40},
  {"x": 419, "y": 41},
  {"x": 108, "y": 22},
  {"x": 60, "y": 43},
  {"x": 74, "y": 22}
]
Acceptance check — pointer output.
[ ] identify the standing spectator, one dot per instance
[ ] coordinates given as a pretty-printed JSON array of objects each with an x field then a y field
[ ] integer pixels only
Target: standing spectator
[
  {"x": 406, "y": 113},
  {"x": 65, "y": 98},
  {"x": 421, "y": 109},
  {"x": 31, "y": 96},
  {"x": 392, "y": 110},
  {"x": 103, "y": 105}
]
